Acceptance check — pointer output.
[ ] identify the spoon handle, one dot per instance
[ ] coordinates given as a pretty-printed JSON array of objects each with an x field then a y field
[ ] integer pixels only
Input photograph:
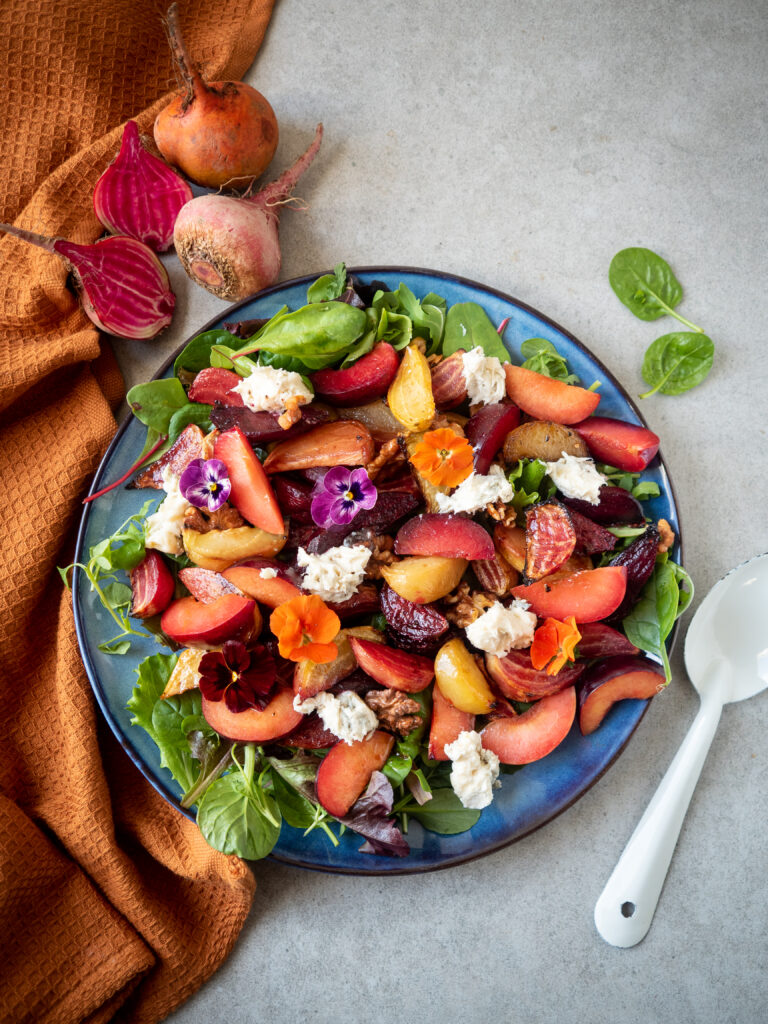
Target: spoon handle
[{"x": 626, "y": 906}]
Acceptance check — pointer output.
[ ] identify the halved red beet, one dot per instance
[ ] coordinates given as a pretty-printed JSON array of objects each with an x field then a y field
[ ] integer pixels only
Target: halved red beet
[
  {"x": 444, "y": 534},
  {"x": 550, "y": 538},
  {"x": 616, "y": 506},
  {"x": 294, "y": 497},
  {"x": 152, "y": 586},
  {"x": 487, "y": 429},
  {"x": 311, "y": 734},
  {"x": 591, "y": 537},
  {"x": 368, "y": 378},
  {"x": 514, "y": 676},
  {"x": 614, "y": 679},
  {"x": 365, "y": 601},
  {"x": 535, "y": 733},
  {"x": 639, "y": 559},
  {"x": 262, "y": 427},
  {"x": 414, "y": 627}
]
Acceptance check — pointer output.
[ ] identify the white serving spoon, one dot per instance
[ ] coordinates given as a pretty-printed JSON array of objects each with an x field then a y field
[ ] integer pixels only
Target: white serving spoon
[{"x": 726, "y": 655}]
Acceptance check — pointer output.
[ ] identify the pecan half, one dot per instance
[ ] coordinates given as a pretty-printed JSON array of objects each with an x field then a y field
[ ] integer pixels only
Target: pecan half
[
  {"x": 389, "y": 452},
  {"x": 225, "y": 518},
  {"x": 495, "y": 575},
  {"x": 395, "y": 710}
]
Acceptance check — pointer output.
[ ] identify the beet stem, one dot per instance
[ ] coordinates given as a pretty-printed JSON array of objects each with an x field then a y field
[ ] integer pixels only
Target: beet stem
[
  {"x": 140, "y": 461},
  {"x": 43, "y": 241},
  {"x": 189, "y": 73}
]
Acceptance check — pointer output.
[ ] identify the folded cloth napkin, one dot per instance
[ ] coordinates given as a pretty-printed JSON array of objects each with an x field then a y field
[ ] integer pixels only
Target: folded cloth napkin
[{"x": 112, "y": 906}]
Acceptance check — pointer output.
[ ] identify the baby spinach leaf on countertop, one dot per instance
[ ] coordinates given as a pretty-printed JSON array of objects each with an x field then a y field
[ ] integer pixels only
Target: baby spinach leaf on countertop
[
  {"x": 644, "y": 282},
  {"x": 677, "y": 362}
]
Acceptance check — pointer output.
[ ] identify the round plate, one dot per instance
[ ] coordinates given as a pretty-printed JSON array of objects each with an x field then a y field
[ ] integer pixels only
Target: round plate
[{"x": 528, "y": 798}]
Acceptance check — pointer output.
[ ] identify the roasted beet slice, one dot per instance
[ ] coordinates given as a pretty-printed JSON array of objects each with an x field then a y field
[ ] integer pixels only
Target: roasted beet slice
[
  {"x": 401, "y": 481},
  {"x": 390, "y": 508},
  {"x": 187, "y": 446},
  {"x": 515, "y": 677},
  {"x": 310, "y": 734},
  {"x": 262, "y": 427},
  {"x": 549, "y": 538},
  {"x": 294, "y": 498},
  {"x": 638, "y": 559},
  {"x": 487, "y": 429},
  {"x": 365, "y": 601},
  {"x": 601, "y": 641},
  {"x": 591, "y": 538},
  {"x": 615, "y": 506},
  {"x": 414, "y": 627}
]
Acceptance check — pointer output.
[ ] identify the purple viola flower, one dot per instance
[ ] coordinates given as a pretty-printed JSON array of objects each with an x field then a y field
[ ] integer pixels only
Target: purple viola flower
[
  {"x": 205, "y": 484},
  {"x": 340, "y": 495}
]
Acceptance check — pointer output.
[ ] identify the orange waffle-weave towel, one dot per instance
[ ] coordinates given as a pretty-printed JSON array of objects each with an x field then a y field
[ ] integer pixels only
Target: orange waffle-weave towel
[{"x": 112, "y": 906}]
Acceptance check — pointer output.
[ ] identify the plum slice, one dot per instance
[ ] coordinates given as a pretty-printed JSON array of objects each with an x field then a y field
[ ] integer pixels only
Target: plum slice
[
  {"x": 627, "y": 446},
  {"x": 270, "y": 590},
  {"x": 614, "y": 679},
  {"x": 191, "y": 622},
  {"x": 550, "y": 539},
  {"x": 444, "y": 534},
  {"x": 487, "y": 429},
  {"x": 347, "y": 769},
  {"x": 447, "y": 724},
  {"x": 548, "y": 399},
  {"x": 535, "y": 733},
  {"x": 395, "y": 669},
  {"x": 253, "y": 726},
  {"x": 588, "y": 596},
  {"x": 515, "y": 677},
  {"x": 251, "y": 493},
  {"x": 368, "y": 378}
]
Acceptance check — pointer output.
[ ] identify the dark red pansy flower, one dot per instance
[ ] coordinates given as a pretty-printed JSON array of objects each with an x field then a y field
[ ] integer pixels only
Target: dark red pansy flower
[{"x": 241, "y": 678}]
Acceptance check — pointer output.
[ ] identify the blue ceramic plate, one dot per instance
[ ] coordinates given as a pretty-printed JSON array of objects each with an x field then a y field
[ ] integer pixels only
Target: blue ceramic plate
[{"x": 528, "y": 798}]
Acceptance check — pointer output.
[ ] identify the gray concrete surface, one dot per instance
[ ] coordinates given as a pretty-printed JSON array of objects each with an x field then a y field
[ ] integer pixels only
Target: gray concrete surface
[{"x": 522, "y": 144}]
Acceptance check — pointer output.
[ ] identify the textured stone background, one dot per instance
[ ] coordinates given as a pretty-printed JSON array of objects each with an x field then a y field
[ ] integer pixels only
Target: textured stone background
[{"x": 521, "y": 144}]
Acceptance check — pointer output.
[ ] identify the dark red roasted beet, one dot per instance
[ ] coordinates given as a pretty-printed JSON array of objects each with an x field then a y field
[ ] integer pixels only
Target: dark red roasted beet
[
  {"x": 187, "y": 446},
  {"x": 262, "y": 427},
  {"x": 364, "y": 602},
  {"x": 549, "y": 538},
  {"x": 367, "y": 379},
  {"x": 294, "y": 498},
  {"x": 615, "y": 506},
  {"x": 601, "y": 641},
  {"x": 591, "y": 538},
  {"x": 358, "y": 681},
  {"x": 638, "y": 559},
  {"x": 152, "y": 586},
  {"x": 390, "y": 508},
  {"x": 214, "y": 384},
  {"x": 414, "y": 627},
  {"x": 515, "y": 677},
  {"x": 487, "y": 429},
  {"x": 310, "y": 734},
  {"x": 206, "y": 585},
  {"x": 614, "y": 679},
  {"x": 401, "y": 481}
]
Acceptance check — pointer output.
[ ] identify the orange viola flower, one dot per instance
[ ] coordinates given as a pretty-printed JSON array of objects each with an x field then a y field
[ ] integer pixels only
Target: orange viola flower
[
  {"x": 305, "y": 627},
  {"x": 443, "y": 458},
  {"x": 554, "y": 643}
]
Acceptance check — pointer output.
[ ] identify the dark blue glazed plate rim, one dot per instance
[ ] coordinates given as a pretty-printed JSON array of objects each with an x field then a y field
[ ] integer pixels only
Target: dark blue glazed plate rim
[{"x": 530, "y": 797}]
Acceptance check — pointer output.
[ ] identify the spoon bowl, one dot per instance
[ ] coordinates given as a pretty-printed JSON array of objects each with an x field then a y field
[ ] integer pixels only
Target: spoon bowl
[{"x": 726, "y": 657}]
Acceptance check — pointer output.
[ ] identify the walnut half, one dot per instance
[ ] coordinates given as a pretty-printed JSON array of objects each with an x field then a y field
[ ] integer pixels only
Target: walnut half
[{"x": 395, "y": 710}]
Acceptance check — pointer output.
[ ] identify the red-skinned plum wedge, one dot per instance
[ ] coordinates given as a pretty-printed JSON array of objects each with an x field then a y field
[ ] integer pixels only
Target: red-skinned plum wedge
[
  {"x": 548, "y": 399},
  {"x": 263, "y": 427},
  {"x": 152, "y": 586},
  {"x": 444, "y": 534},
  {"x": 190, "y": 622},
  {"x": 601, "y": 641},
  {"x": 253, "y": 726},
  {"x": 487, "y": 429},
  {"x": 347, "y": 768},
  {"x": 395, "y": 669},
  {"x": 367, "y": 379},
  {"x": 588, "y": 596},
  {"x": 272, "y": 590},
  {"x": 515, "y": 677},
  {"x": 207, "y": 585},
  {"x": 448, "y": 723},
  {"x": 214, "y": 384},
  {"x": 627, "y": 446},
  {"x": 535, "y": 733},
  {"x": 550, "y": 539},
  {"x": 251, "y": 493},
  {"x": 614, "y": 679}
]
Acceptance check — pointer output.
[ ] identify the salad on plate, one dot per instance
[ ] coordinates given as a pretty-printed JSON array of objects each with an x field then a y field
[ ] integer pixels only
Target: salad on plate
[{"x": 388, "y": 567}]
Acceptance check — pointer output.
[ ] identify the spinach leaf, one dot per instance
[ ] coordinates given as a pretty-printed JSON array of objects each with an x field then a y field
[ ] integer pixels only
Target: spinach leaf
[
  {"x": 168, "y": 732},
  {"x": 295, "y": 808},
  {"x": 289, "y": 363},
  {"x": 155, "y": 402},
  {"x": 541, "y": 356},
  {"x": 153, "y": 675},
  {"x": 196, "y": 355},
  {"x": 236, "y": 815},
  {"x": 467, "y": 326},
  {"x": 319, "y": 334},
  {"x": 662, "y": 600},
  {"x": 366, "y": 343},
  {"x": 394, "y": 328},
  {"x": 677, "y": 362},
  {"x": 397, "y": 767},
  {"x": 426, "y": 317},
  {"x": 213, "y": 755},
  {"x": 329, "y": 286},
  {"x": 531, "y": 483},
  {"x": 644, "y": 282},
  {"x": 444, "y": 813}
]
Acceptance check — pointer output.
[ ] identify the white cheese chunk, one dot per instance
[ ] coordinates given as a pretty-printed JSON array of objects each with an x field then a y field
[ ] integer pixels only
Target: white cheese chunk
[
  {"x": 337, "y": 573},
  {"x": 484, "y": 376},
  {"x": 268, "y": 389},
  {"x": 476, "y": 492},
  {"x": 576, "y": 478},
  {"x": 500, "y": 630},
  {"x": 347, "y": 716},
  {"x": 267, "y": 574},
  {"x": 162, "y": 529},
  {"x": 474, "y": 770}
]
